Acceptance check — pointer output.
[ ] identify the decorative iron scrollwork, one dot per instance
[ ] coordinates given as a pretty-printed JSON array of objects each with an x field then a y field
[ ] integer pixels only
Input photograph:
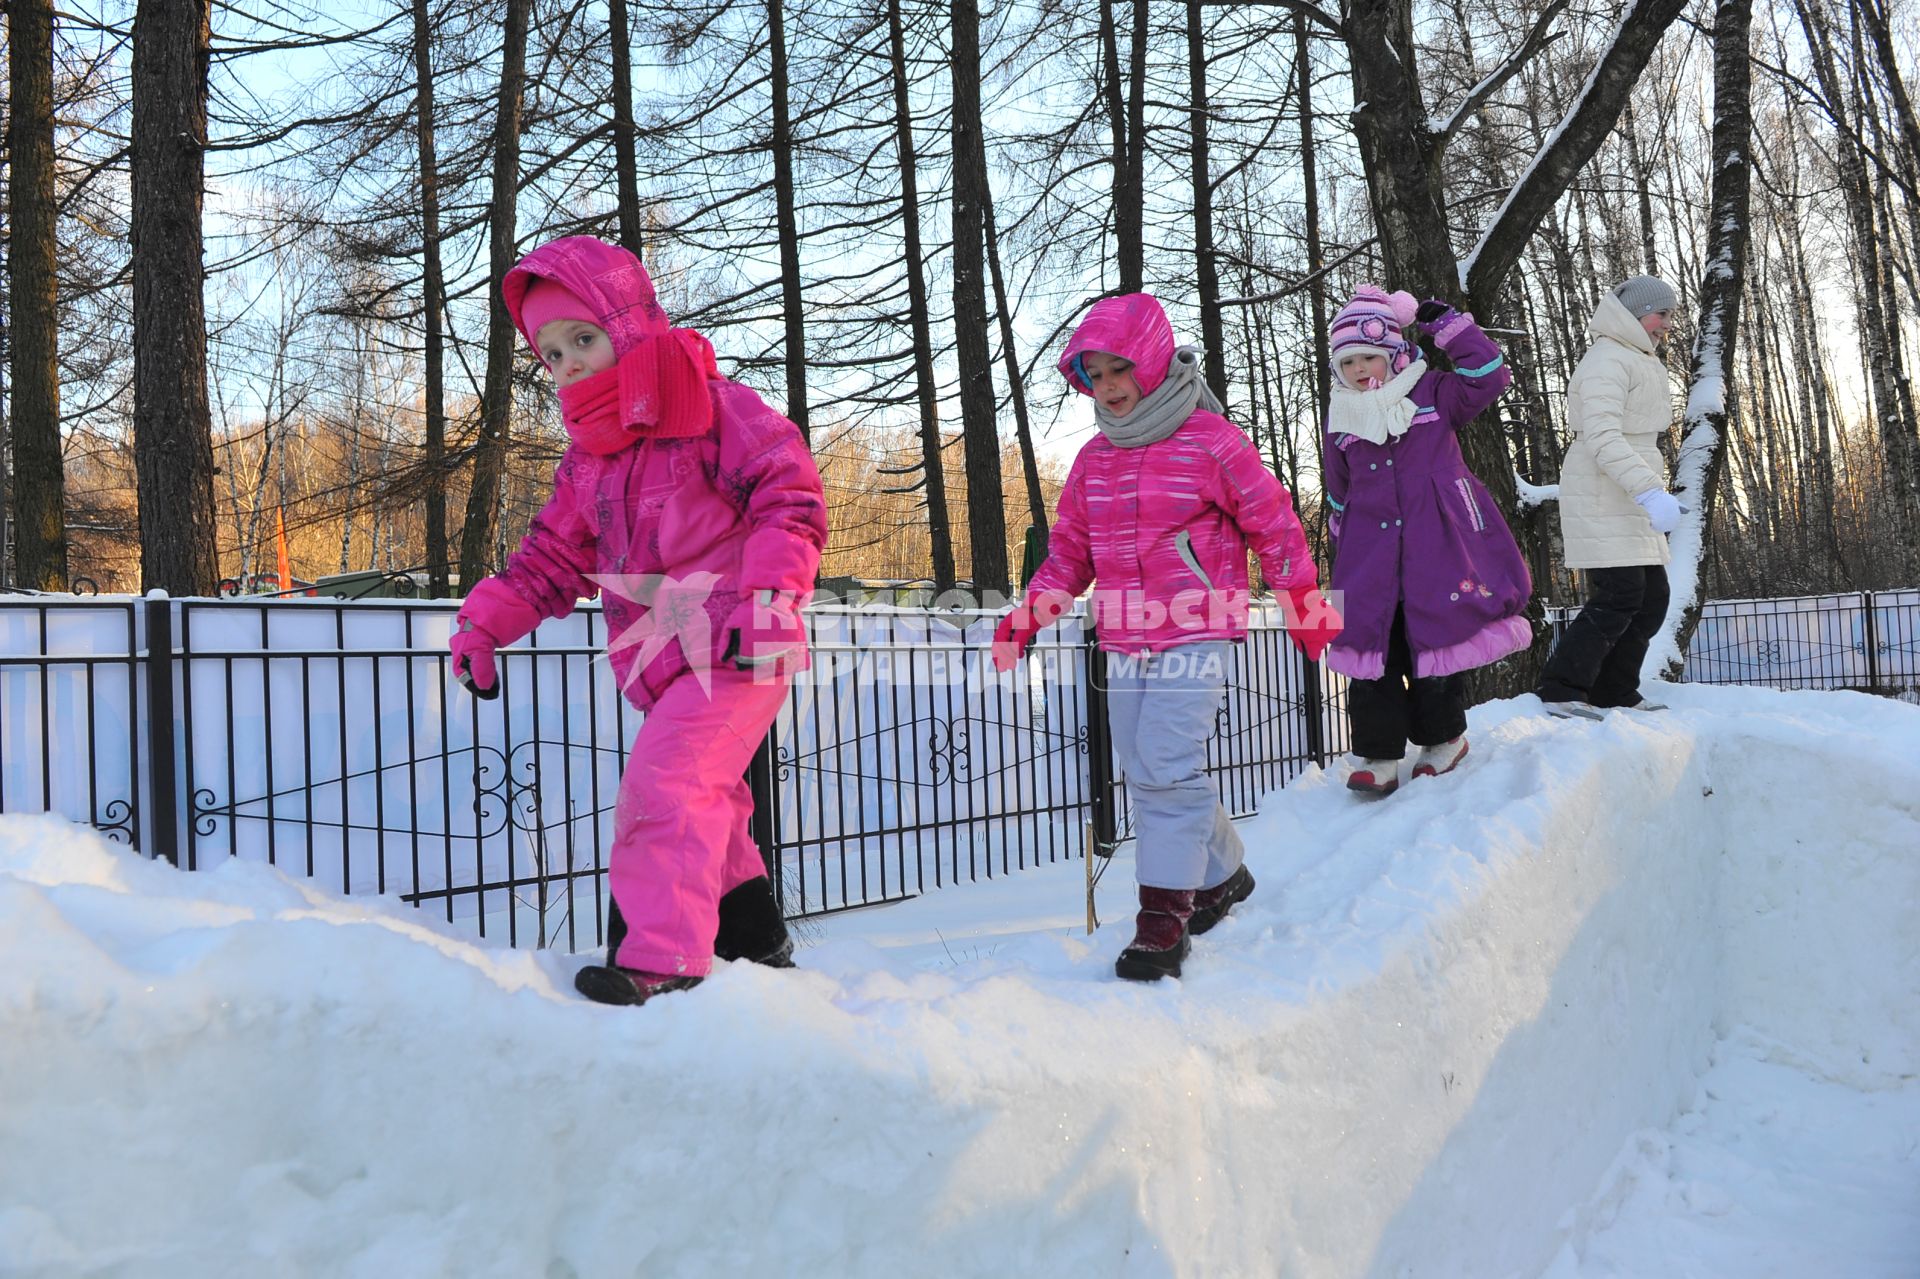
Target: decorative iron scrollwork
[{"x": 117, "y": 825}]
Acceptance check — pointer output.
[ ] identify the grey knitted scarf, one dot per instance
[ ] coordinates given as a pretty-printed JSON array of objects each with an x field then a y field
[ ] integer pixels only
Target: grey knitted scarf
[{"x": 1159, "y": 415}]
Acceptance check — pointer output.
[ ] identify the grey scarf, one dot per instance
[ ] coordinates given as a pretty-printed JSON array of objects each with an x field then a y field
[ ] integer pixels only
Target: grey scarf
[{"x": 1159, "y": 415}]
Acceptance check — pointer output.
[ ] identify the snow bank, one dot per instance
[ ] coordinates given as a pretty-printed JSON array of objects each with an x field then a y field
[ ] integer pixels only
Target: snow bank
[{"x": 1417, "y": 1050}]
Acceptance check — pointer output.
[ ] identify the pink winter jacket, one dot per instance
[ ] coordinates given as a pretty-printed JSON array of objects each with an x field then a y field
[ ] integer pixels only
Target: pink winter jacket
[
  {"x": 1164, "y": 528},
  {"x": 677, "y": 530}
]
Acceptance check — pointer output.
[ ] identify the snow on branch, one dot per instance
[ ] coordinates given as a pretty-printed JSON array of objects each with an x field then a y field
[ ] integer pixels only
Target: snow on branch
[
  {"x": 1569, "y": 146},
  {"x": 1692, "y": 474},
  {"x": 1533, "y": 495},
  {"x": 1536, "y": 40},
  {"x": 1703, "y": 445}
]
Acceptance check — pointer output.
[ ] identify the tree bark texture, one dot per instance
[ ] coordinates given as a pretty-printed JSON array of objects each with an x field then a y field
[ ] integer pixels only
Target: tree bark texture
[
  {"x": 626, "y": 165},
  {"x": 1900, "y": 447},
  {"x": 433, "y": 304},
  {"x": 1212, "y": 330},
  {"x": 919, "y": 316},
  {"x": 1316, "y": 249},
  {"x": 986, "y": 502},
  {"x": 477, "y": 551},
  {"x": 792, "y": 300},
  {"x": 39, "y": 512},
  {"x": 1016, "y": 384},
  {"x": 1130, "y": 216},
  {"x": 172, "y": 423},
  {"x": 1703, "y": 451}
]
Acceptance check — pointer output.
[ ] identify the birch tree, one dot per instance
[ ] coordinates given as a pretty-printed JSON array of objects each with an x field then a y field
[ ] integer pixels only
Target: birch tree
[{"x": 1703, "y": 449}]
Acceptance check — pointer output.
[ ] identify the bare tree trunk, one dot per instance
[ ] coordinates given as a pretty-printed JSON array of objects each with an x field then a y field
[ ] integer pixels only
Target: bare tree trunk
[
  {"x": 6, "y": 475},
  {"x": 1016, "y": 385},
  {"x": 1873, "y": 15},
  {"x": 625, "y": 163},
  {"x": 1703, "y": 452},
  {"x": 1316, "y": 251},
  {"x": 1649, "y": 255},
  {"x": 1130, "y": 218},
  {"x": 1902, "y": 451},
  {"x": 986, "y": 502},
  {"x": 792, "y": 301},
  {"x": 1212, "y": 334},
  {"x": 1129, "y": 252},
  {"x": 932, "y": 463},
  {"x": 172, "y": 422},
  {"x": 433, "y": 304},
  {"x": 40, "y": 530},
  {"x": 1817, "y": 416},
  {"x": 1570, "y": 146},
  {"x": 496, "y": 406},
  {"x": 1397, "y": 147}
]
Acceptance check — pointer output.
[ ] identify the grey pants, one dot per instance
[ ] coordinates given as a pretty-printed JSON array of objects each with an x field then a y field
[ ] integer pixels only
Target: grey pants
[{"x": 1162, "y": 708}]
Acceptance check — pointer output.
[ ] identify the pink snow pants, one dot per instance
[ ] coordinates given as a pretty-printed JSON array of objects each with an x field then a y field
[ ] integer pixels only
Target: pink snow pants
[{"x": 681, "y": 837}]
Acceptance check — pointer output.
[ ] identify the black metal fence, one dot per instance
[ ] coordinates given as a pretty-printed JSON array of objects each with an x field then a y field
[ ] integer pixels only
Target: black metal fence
[
  {"x": 327, "y": 738},
  {"x": 1868, "y": 640}
]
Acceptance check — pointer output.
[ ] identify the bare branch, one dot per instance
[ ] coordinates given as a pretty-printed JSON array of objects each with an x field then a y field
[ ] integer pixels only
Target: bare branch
[
  {"x": 1536, "y": 40},
  {"x": 1569, "y": 147},
  {"x": 1312, "y": 12}
]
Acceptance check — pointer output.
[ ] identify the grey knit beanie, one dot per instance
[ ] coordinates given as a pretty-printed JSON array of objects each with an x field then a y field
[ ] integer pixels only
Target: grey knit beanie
[{"x": 1645, "y": 294}]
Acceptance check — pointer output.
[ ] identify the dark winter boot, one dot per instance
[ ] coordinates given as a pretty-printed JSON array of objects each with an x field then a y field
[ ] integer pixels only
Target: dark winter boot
[
  {"x": 616, "y": 930},
  {"x": 751, "y": 926},
  {"x": 1159, "y": 935},
  {"x": 607, "y": 984},
  {"x": 1210, "y": 905}
]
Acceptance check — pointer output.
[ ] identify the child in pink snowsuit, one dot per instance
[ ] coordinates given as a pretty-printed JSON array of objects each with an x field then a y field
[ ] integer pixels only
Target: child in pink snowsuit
[
  {"x": 1160, "y": 508},
  {"x": 696, "y": 511}
]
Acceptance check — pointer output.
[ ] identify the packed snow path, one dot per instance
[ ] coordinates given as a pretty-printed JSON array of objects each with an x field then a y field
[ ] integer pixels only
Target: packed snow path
[{"x": 1639, "y": 998}]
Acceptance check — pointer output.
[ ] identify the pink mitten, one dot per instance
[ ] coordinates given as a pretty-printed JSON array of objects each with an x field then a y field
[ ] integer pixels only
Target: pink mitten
[
  {"x": 1312, "y": 621},
  {"x": 473, "y": 664},
  {"x": 493, "y": 614},
  {"x": 1017, "y": 630},
  {"x": 763, "y": 628},
  {"x": 1013, "y": 636}
]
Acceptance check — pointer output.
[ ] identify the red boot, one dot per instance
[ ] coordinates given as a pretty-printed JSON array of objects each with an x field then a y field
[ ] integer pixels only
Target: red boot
[
  {"x": 1210, "y": 905},
  {"x": 1159, "y": 935}
]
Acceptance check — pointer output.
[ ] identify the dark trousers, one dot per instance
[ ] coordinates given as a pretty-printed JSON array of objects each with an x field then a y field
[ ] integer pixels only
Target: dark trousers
[
  {"x": 1388, "y": 712},
  {"x": 1598, "y": 658}
]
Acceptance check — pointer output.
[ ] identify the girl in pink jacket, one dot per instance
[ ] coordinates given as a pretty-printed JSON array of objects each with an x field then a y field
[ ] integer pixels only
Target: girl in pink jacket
[
  {"x": 696, "y": 512},
  {"x": 1160, "y": 509}
]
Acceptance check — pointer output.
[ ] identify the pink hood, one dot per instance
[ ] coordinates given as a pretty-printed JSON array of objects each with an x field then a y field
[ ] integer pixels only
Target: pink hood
[
  {"x": 1162, "y": 533},
  {"x": 672, "y": 529},
  {"x": 1132, "y": 326},
  {"x": 604, "y": 276}
]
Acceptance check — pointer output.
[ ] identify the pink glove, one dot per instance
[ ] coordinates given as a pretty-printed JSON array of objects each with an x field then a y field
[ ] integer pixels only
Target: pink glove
[
  {"x": 473, "y": 664},
  {"x": 763, "y": 628},
  {"x": 493, "y": 614},
  {"x": 1016, "y": 631},
  {"x": 1312, "y": 621}
]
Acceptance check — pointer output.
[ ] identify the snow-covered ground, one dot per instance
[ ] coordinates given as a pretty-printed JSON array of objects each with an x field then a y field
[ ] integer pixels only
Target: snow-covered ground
[{"x": 1639, "y": 999}]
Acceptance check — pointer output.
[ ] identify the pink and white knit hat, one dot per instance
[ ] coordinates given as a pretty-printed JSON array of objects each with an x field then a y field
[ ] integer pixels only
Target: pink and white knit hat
[{"x": 1371, "y": 324}]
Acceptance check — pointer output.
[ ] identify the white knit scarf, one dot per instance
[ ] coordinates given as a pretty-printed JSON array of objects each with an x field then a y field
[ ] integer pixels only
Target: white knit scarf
[{"x": 1378, "y": 415}]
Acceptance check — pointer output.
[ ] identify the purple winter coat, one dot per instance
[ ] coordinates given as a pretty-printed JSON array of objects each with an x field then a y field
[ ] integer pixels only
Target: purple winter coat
[{"x": 1420, "y": 532}]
